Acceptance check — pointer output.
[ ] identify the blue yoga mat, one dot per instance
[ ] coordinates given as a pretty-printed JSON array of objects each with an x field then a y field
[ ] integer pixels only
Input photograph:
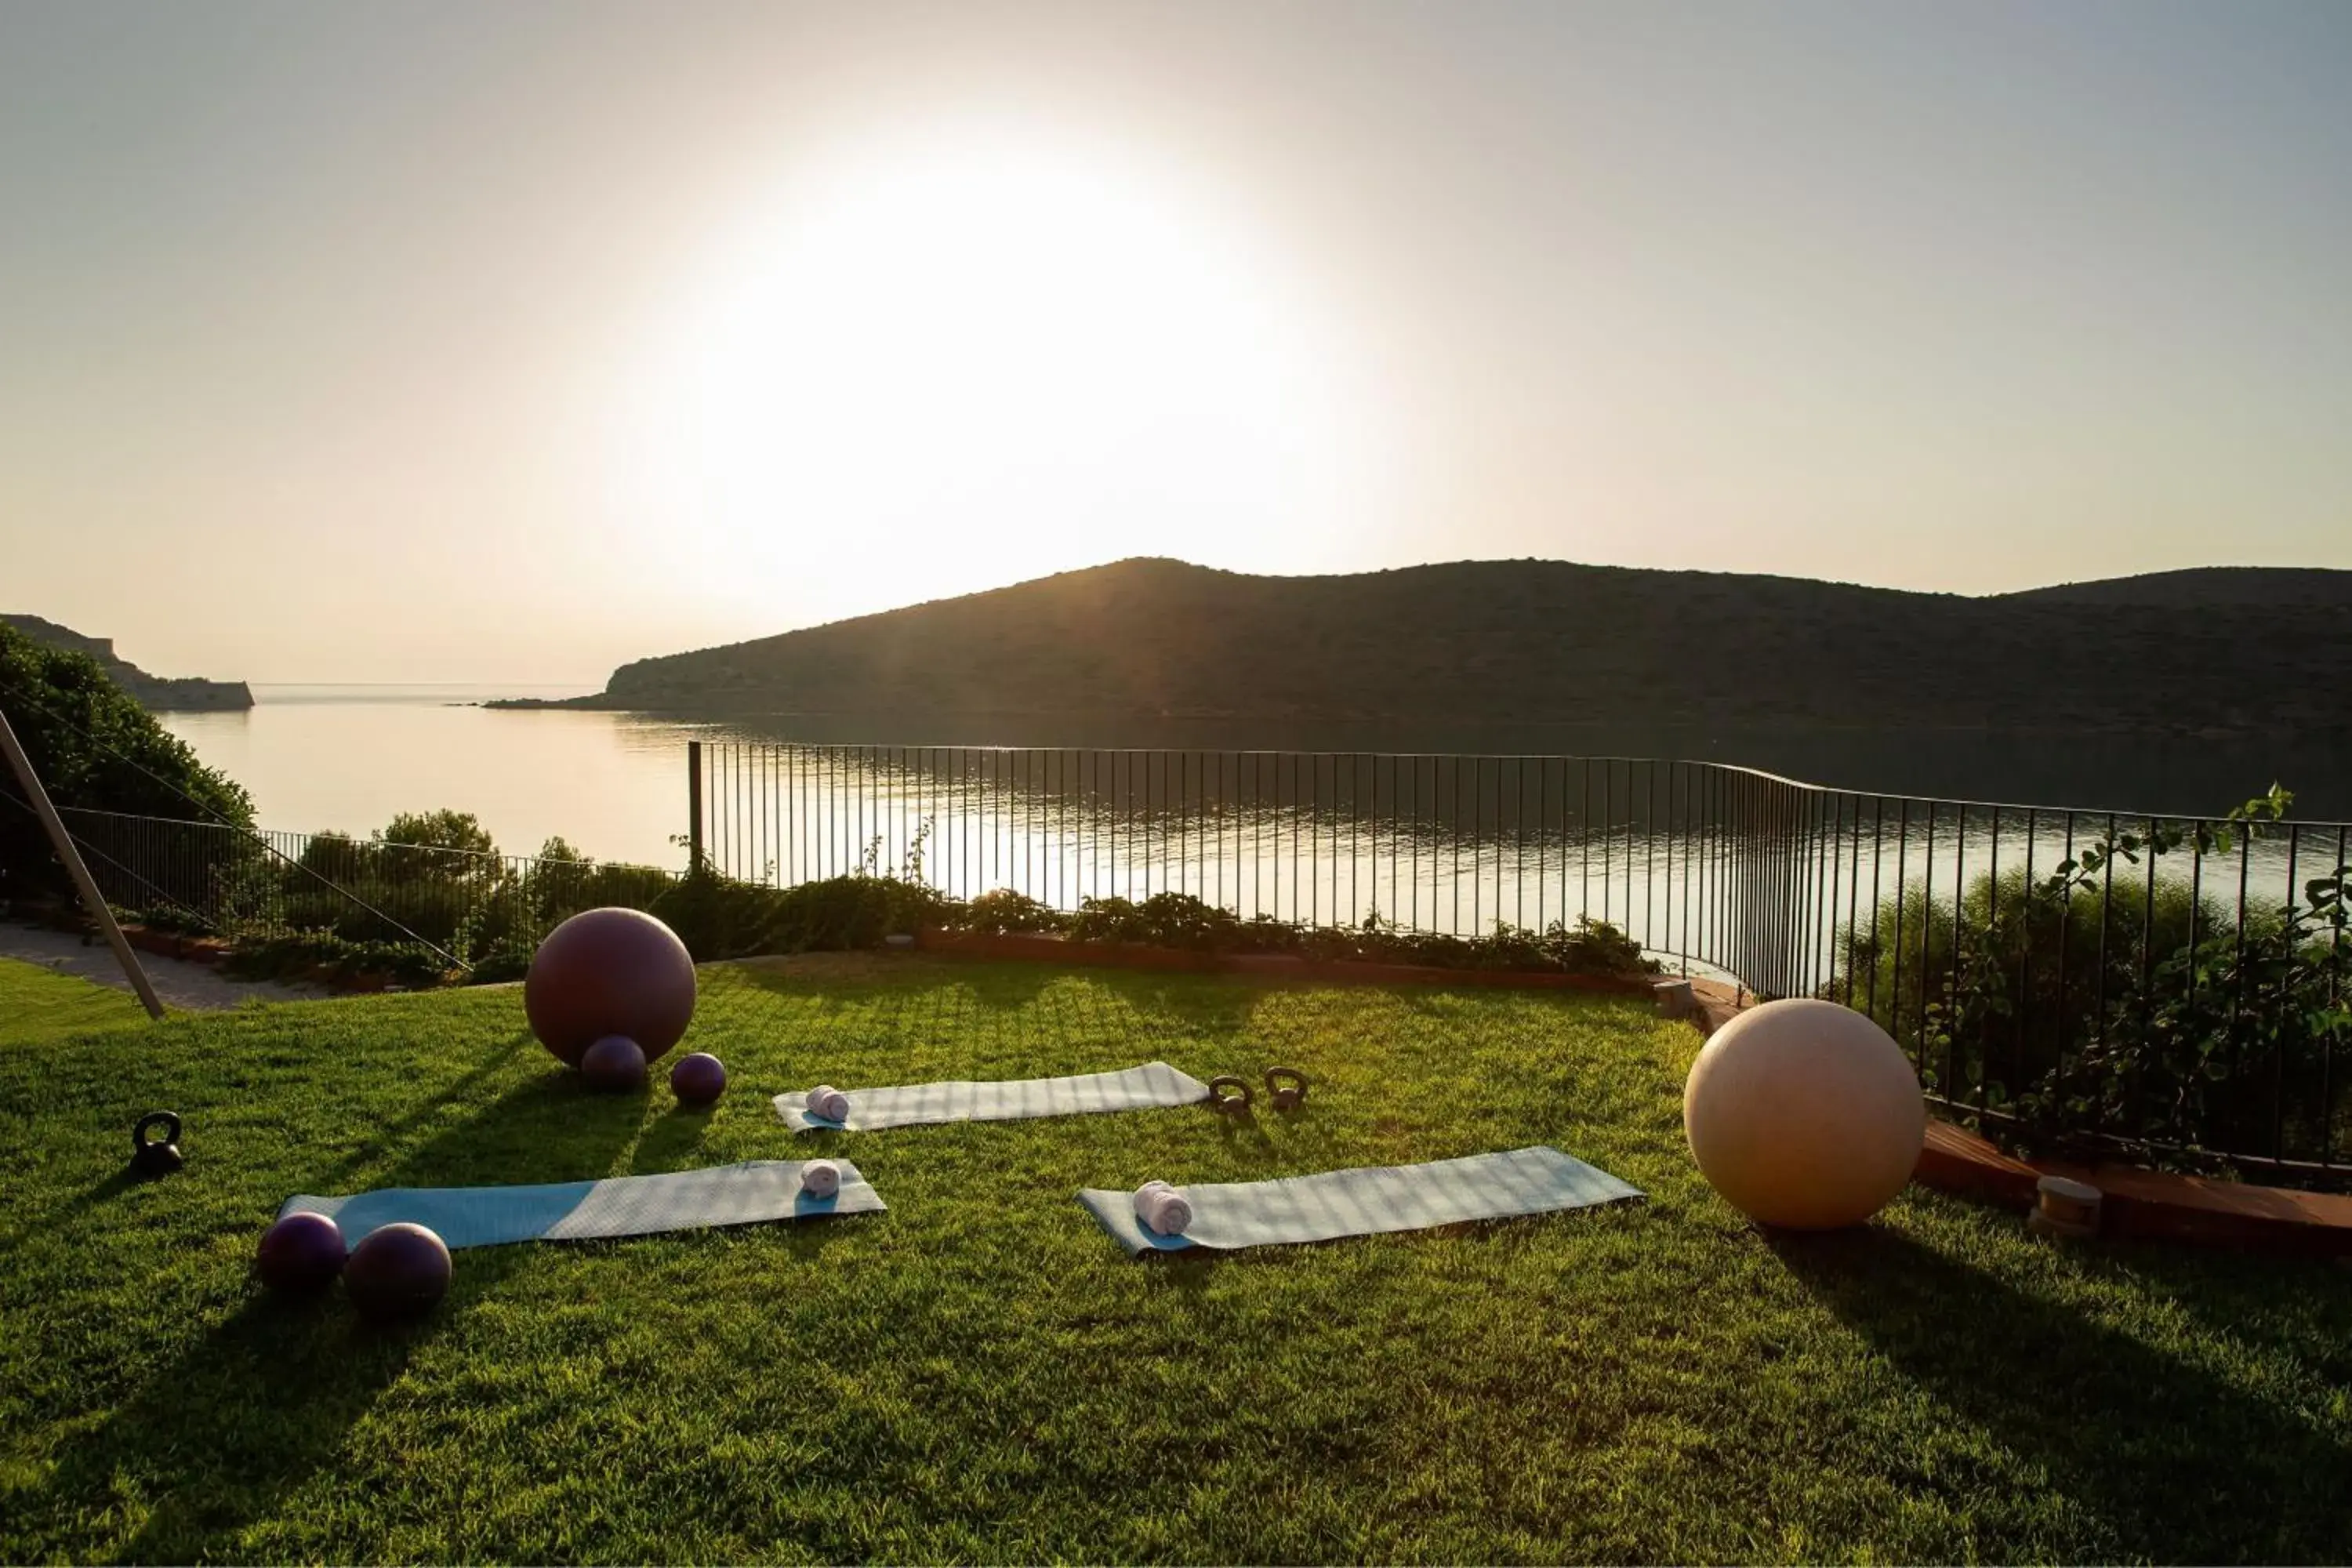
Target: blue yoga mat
[
  {"x": 1151, "y": 1086},
  {"x": 747, "y": 1194},
  {"x": 1365, "y": 1202}
]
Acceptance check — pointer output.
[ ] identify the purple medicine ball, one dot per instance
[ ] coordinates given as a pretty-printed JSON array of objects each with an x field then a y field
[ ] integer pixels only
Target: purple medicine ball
[
  {"x": 398, "y": 1271},
  {"x": 609, "y": 972},
  {"x": 301, "y": 1254},
  {"x": 613, "y": 1063},
  {"x": 697, "y": 1079}
]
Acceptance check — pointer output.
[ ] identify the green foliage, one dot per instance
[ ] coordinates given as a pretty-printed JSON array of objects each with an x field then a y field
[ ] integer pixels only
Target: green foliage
[
  {"x": 172, "y": 918},
  {"x": 458, "y": 831},
  {"x": 721, "y": 918},
  {"x": 1004, "y": 912},
  {"x": 323, "y": 955},
  {"x": 95, "y": 749},
  {"x": 1182, "y": 920},
  {"x": 2091, "y": 1009},
  {"x": 338, "y": 857},
  {"x": 718, "y": 917},
  {"x": 437, "y": 876},
  {"x": 1174, "y": 919},
  {"x": 507, "y": 958}
]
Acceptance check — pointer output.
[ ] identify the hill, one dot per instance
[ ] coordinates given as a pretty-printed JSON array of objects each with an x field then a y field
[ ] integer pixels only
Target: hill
[
  {"x": 1553, "y": 642},
  {"x": 156, "y": 694},
  {"x": 2208, "y": 587}
]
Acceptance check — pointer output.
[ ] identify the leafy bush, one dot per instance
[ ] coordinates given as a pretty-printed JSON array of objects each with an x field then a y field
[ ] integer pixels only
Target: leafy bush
[
  {"x": 95, "y": 749},
  {"x": 721, "y": 918},
  {"x": 718, "y": 917},
  {"x": 509, "y": 958},
  {"x": 169, "y": 918},
  {"x": 1169, "y": 919},
  {"x": 461, "y": 832},
  {"x": 2088, "y": 1019},
  {"x": 1004, "y": 912},
  {"x": 1179, "y": 919},
  {"x": 306, "y": 953},
  {"x": 437, "y": 877}
]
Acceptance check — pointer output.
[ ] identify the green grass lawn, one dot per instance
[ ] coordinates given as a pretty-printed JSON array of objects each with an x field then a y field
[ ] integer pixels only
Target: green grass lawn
[
  {"x": 37, "y": 1004},
  {"x": 978, "y": 1373}
]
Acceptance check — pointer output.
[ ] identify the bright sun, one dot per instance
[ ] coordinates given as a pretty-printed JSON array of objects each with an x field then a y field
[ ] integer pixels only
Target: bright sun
[{"x": 940, "y": 366}]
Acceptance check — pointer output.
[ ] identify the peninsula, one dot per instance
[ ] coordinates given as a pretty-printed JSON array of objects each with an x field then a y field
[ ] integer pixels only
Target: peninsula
[{"x": 157, "y": 693}]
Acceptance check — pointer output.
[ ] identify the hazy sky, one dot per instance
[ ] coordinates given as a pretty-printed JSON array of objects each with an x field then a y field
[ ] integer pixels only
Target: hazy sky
[{"x": 408, "y": 342}]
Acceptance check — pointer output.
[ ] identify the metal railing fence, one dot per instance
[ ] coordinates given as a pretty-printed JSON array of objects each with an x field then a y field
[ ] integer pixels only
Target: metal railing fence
[
  {"x": 2180, "y": 983},
  {"x": 227, "y": 881},
  {"x": 2159, "y": 983}
]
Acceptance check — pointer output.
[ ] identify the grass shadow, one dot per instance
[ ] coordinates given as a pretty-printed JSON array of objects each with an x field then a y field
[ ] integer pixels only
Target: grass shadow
[
  {"x": 668, "y": 1140},
  {"x": 857, "y": 976},
  {"x": 2125, "y": 1430},
  {"x": 1243, "y": 1137},
  {"x": 459, "y": 1089},
  {"x": 253, "y": 1407}
]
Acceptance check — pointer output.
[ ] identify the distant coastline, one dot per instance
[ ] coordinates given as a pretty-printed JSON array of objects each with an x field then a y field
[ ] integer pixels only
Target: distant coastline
[
  {"x": 594, "y": 702},
  {"x": 157, "y": 693},
  {"x": 2186, "y": 655}
]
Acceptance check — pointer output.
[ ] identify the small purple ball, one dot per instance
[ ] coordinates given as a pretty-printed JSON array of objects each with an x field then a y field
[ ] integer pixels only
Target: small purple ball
[
  {"x": 301, "y": 1254},
  {"x": 699, "y": 1079},
  {"x": 614, "y": 1062},
  {"x": 398, "y": 1271}
]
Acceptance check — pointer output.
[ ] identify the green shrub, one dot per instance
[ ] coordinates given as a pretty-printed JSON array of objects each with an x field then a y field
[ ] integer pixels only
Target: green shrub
[
  {"x": 2086, "y": 1017},
  {"x": 718, "y": 917},
  {"x": 1004, "y": 912},
  {"x": 166, "y": 918},
  {"x": 96, "y": 749},
  {"x": 509, "y": 958},
  {"x": 1164, "y": 919},
  {"x": 1182, "y": 920},
  {"x": 457, "y": 832},
  {"x": 304, "y": 953},
  {"x": 437, "y": 877}
]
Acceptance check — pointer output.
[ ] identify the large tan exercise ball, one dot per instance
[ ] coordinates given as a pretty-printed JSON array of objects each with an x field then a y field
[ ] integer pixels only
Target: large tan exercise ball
[
  {"x": 609, "y": 972},
  {"x": 1804, "y": 1114}
]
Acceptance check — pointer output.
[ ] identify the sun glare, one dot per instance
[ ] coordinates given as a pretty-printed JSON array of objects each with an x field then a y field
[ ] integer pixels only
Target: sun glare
[{"x": 955, "y": 364}]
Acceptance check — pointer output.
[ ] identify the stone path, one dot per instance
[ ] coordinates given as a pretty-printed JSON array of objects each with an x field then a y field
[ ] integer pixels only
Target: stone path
[{"x": 180, "y": 982}]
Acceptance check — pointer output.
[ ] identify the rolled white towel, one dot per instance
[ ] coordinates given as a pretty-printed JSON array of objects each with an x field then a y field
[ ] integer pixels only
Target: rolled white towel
[
  {"x": 828, "y": 1102},
  {"x": 1162, "y": 1209},
  {"x": 820, "y": 1178}
]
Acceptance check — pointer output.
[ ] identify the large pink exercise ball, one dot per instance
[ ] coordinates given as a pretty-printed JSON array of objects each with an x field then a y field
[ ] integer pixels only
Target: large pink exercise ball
[
  {"x": 1804, "y": 1114},
  {"x": 609, "y": 972}
]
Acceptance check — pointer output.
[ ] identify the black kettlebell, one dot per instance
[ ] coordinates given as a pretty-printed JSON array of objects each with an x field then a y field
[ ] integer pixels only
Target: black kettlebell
[
  {"x": 1234, "y": 1104},
  {"x": 158, "y": 1157},
  {"x": 1287, "y": 1086}
]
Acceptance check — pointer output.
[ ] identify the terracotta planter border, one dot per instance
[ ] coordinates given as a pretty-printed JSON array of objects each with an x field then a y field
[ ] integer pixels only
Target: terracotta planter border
[{"x": 2144, "y": 1204}]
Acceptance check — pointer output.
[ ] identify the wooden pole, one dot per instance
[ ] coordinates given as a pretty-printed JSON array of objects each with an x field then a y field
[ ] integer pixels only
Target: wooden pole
[{"x": 63, "y": 843}]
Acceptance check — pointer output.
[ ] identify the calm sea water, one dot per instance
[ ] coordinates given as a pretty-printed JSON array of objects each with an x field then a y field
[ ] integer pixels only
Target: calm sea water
[
  {"x": 351, "y": 757},
  {"x": 614, "y": 784}
]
